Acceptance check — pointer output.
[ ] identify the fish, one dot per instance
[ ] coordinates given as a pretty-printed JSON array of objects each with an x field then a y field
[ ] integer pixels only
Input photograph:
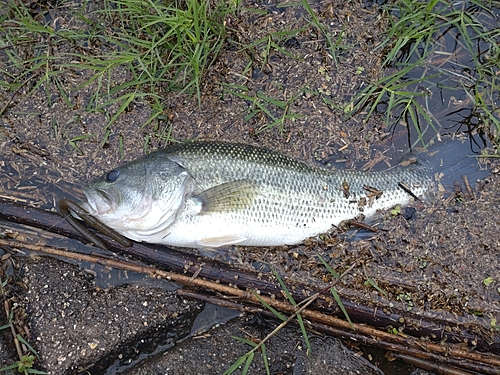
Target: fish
[{"x": 213, "y": 194}]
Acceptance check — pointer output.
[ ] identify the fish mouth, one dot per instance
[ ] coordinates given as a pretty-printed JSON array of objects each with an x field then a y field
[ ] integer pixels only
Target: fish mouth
[{"x": 98, "y": 202}]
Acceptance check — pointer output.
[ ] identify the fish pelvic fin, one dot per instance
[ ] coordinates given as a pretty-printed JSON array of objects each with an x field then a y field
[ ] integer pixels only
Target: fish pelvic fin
[{"x": 221, "y": 241}]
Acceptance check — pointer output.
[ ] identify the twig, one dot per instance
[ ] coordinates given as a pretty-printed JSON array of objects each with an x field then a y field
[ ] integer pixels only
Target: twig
[
  {"x": 2, "y": 111},
  {"x": 305, "y": 303},
  {"x": 472, "y": 196},
  {"x": 435, "y": 367},
  {"x": 419, "y": 323},
  {"x": 363, "y": 334},
  {"x": 7, "y": 309},
  {"x": 413, "y": 351}
]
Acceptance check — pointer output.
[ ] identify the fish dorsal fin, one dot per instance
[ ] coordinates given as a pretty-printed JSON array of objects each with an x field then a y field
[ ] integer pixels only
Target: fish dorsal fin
[
  {"x": 229, "y": 196},
  {"x": 221, "y": 241}
]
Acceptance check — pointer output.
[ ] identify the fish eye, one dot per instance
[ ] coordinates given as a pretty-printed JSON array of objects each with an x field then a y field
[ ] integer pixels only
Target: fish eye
[{"x": 111, "y": 176}]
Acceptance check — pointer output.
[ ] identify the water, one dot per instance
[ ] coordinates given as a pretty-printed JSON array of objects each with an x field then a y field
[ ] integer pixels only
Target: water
[{"x": 455, "y": 82}]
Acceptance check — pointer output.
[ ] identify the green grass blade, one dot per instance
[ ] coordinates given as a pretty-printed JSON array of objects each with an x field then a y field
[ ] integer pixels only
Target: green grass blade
[
  {"x": 337, "y": 299},
  {"x": 248, "y": 362},
  {"x": 372, "y": 283},
  {"x": 31, "y": 349},
  {"x": 264, "y": 359},
  {"x": 328, "y": 268},
  {"x": 270, "y": 308}
]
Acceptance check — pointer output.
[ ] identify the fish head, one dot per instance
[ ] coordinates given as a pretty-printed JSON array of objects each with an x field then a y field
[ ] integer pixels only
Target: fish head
[{"x": 140, "y": 198}]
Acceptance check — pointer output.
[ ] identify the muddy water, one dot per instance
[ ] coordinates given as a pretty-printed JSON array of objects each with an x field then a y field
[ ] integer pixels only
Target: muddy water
[{"x": 450, "y": 88}]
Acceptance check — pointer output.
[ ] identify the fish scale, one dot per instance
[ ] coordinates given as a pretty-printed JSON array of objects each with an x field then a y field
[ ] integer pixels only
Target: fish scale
[{"x": 210, "y": 194}]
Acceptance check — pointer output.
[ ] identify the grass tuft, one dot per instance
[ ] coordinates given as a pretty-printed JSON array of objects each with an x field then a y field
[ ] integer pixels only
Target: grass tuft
[
  {"x": 127, "y": 51},
  {"x": 442, "y": 60},
  {"x": 27, "y": 354},
  {"x": 276, "y": 112}
]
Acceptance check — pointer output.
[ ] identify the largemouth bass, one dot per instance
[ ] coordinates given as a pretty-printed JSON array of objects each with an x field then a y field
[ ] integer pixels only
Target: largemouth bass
[{"x": 210, "y": 194}]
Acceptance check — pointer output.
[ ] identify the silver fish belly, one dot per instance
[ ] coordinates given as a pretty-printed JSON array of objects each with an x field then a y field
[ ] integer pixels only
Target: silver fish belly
[{"x": 210, "y": 194}]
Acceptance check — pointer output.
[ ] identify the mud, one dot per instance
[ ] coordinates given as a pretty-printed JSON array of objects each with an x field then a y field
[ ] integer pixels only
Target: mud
[
  {"x": 212, "y": 353},
  {"x": 79, "y": 327}
]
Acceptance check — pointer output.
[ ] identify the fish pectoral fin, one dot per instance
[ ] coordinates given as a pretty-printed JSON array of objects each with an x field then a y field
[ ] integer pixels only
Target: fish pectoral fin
[
  {"x": 221, "y": 241},
  {"x": 230, "y": 196}
]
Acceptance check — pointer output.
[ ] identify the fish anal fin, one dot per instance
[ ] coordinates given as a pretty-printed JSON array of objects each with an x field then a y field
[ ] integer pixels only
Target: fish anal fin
[
  {"x": 230, "y": 196},
  {"x": 221, "y": 241}
]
